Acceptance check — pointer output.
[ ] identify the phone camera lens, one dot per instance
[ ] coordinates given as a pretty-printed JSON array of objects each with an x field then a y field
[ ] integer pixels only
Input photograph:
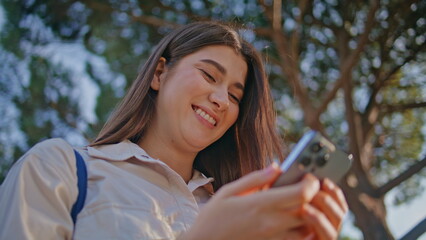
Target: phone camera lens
[
  {"x": 316, "y": 147},
  {"x": 305, "y": 161},
  {"x": 322, "y": 160}
]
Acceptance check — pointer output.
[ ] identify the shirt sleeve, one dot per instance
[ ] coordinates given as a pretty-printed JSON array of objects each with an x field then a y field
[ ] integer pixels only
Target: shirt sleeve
[{"x": 38, "y": 193}]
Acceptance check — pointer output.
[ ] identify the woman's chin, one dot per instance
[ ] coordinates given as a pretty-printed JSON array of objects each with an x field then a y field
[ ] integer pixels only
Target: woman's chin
[{"x": 199, "y": 143}]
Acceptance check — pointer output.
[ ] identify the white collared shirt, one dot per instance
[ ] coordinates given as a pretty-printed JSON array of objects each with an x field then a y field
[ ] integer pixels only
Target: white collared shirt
[{"x": 129, "y": 195}]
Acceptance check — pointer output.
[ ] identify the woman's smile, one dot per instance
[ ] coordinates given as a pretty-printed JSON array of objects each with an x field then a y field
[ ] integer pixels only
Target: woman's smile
[{"x": 205, "y": 116}]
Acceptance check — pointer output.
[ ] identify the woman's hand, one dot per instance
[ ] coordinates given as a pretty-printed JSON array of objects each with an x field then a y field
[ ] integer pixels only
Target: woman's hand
[
  {"x": 240, "y": 210},
  {"x": 326, "y": 211}
]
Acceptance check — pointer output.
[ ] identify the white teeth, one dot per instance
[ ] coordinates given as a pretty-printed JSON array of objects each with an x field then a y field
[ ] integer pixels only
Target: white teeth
[{"x": 205, "y": 116}]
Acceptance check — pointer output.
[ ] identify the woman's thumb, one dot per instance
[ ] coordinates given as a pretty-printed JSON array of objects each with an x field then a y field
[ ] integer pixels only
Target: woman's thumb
[{"x": 251, "y": 182}]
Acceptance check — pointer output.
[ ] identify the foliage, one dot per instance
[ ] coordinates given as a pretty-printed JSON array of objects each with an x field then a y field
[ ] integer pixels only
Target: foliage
[{"x": 50, "y": 82}]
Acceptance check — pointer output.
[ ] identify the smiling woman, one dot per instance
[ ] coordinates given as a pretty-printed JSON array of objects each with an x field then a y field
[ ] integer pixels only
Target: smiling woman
[
  {"x": 241, "y": 149},
  {"x": 184, "y": 155}
]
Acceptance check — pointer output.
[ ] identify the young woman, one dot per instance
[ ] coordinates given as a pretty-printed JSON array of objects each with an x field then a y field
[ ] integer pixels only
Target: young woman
[{"x": 184, "y": 155}]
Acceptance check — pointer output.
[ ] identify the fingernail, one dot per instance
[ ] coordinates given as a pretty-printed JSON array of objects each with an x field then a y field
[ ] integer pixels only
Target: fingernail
[
  {"x": 328, "y": 183},
  {"x": 275, "y": 164},
  {"x": 272, "y": 168}
]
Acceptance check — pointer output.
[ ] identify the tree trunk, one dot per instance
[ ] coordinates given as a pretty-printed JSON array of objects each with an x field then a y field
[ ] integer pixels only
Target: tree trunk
[{"x": 369, "y": 212}]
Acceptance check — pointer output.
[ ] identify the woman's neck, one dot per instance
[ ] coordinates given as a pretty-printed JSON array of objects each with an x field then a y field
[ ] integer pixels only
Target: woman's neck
[{"x": 180, "y": 161}]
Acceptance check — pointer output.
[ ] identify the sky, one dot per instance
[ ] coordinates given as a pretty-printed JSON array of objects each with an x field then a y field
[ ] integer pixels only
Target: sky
[{"x": 403, "y": 218}]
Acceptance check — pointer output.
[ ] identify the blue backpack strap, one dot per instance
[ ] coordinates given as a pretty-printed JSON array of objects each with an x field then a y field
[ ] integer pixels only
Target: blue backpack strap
[{"x": 82, "y": 186}]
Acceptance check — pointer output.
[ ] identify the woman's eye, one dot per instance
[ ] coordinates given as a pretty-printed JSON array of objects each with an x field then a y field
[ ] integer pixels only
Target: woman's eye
[
  {"x": 208, "y": 76},
  {"x": 234, "y": 98}
]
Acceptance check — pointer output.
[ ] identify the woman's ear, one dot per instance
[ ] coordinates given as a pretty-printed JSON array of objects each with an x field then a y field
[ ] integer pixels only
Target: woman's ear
[{"x": 159, "y": 70}]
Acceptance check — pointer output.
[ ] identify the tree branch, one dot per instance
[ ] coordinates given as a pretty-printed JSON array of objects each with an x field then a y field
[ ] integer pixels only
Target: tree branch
[
  {"x": 276, "y": 15},
  {"x": 352, "y": 59},
  {"x": 381, "y": 82},
  {"x": 145, "y": 19},
  {"x": 295, "y": 35},
  {"x": 264, "y": 32},
  {"x": 322, "y": 24},
  {"x": 403, "y": 107},
  {"x": 289, "y": 65},
  {"x": 416, "y": 231},
  {"x": 413, "y": 169},
  {"x": 154, "y": 21},
  {"x": 372, "y": 112}
]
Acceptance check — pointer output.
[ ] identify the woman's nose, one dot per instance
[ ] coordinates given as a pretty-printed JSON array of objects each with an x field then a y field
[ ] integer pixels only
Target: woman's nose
[{"x": 220, "y": 99}]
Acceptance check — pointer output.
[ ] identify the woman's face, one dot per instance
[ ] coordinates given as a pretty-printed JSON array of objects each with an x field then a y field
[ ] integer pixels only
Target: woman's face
[{"x": 198, "y": 98}]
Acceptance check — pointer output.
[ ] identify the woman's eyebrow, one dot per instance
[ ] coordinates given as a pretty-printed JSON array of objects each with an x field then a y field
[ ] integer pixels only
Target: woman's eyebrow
[
  {"x": 215, "y": 64},
  {"x": 222, "y": 70},
  {"x": 239, "y": 86}
]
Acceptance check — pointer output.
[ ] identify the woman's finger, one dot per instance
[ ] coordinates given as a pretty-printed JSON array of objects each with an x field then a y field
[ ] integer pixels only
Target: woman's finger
[
  {"x": 331, "y": 209},
  {"x": 290, "y": 196},
  {"x": 322, "y": 227},
  {"x": 277, "y": 223},
  {"x": 332, "y": 189},
  {"x": 251, "y": 182},
  {"x": 302, "y": 232}
]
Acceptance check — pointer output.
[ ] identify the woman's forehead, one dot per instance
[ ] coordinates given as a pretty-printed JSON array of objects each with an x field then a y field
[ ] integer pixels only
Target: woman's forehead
[{"x": 223, "y": 57}]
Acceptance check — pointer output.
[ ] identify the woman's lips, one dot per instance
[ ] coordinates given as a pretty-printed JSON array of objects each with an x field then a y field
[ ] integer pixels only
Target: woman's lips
[{"x": 202, "y": 113}]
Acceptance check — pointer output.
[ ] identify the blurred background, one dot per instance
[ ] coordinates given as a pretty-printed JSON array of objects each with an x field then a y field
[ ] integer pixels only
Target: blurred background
[{"x": 354, "y": 70}]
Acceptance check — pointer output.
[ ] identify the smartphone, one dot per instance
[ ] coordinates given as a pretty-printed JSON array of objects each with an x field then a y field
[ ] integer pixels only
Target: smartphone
[{"x": 314, "y": 154}]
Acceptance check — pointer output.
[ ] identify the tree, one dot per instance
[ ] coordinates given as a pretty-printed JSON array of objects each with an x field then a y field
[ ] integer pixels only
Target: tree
[
  {"x": 353, "y": 70},
  {"x": 49, "y": 81}
]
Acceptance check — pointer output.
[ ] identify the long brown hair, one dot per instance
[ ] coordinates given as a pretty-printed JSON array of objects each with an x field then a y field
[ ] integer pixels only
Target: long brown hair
[{"x": 250, "y": 144}]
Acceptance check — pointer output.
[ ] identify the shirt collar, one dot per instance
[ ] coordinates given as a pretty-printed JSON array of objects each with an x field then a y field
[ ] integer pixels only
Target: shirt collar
[
  {"x": 198, "y": 179},
  {"x": 126, "y": 149},
  {"x": 119, "y": 151}
]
